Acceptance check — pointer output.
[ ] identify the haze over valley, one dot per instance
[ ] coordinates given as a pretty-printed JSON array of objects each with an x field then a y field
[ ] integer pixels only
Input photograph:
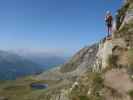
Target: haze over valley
[{"x": 17, "y": 64}]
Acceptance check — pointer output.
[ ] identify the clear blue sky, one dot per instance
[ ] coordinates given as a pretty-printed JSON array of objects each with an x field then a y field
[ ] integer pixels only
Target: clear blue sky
[{"x": 53, "y": 25}]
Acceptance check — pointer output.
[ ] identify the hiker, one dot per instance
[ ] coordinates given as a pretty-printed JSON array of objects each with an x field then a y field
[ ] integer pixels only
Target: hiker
[{"x": 109, "y": 21}]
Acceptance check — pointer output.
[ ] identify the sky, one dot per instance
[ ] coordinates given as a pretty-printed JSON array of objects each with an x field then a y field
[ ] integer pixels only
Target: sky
[{"x": 60, "y": 26}]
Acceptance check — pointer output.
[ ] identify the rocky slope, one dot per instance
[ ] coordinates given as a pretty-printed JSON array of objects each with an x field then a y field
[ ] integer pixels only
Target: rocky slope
[
  {"x": 111, "y": 78},
  {"x": 78, "y": 64}
]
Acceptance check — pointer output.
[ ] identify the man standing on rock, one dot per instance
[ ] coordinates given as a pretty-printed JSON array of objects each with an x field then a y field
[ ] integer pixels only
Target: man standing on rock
[{"x": 109, "y": 21}]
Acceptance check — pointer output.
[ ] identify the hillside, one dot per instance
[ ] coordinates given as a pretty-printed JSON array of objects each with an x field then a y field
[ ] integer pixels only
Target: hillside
[
  {"x": 103, "y": 71},
  {"x": 47, "y": 60},
  {"x": 13, "y": 66}
]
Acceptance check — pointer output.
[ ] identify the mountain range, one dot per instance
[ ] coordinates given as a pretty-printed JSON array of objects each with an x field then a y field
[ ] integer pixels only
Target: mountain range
[
  {"x": 45, "y": 59},
  {"x": 13, "y": 65}
]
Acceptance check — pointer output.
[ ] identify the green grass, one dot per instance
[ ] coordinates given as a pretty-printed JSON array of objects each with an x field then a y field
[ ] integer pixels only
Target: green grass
[
  {"x": 112, "y": 61},
  {"x": 130, "y": 55},
  {"x": 83, "y": 98},
  {"x": 97, "y": 86},
  {"x": 130, "y": 61},
  {"x": 72, "y": 65},
  {"x": 20, "y": 89},
  {"x": 95, "y": 82}
]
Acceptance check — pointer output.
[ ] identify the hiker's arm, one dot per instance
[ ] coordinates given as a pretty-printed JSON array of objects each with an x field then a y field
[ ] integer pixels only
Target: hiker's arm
[{"x": 105, "y": 18}]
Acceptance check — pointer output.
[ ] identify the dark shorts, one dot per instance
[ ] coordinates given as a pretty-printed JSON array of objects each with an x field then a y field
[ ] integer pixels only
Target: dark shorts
[{"x": 109, "y": 25}]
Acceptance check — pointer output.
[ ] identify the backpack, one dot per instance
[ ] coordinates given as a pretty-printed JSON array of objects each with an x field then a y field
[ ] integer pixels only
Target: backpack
[{"x": 109, "y": 19}]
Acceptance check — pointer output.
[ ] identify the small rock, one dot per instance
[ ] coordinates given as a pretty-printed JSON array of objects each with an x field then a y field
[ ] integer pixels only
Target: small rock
[{"x": 89, "y": 92}]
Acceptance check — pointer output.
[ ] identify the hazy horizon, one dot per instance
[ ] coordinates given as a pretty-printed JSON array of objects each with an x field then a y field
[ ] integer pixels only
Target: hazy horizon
[{"x": 59, "y": 26}]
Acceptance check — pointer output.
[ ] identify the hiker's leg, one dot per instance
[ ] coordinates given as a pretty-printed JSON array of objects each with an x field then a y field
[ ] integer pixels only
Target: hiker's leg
[
  {"x": 111, "y": 31},
  {"x": 108, "y": 31}
]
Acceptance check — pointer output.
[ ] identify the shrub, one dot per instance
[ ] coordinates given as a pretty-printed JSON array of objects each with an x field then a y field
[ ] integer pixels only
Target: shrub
[
  {"x": 97, "y": 83},
  {"x": 69, "y": 67},
  {"x": 112, "y": 61},
  {"x": 131, "y": 94},
  {"x": 130, "y": 60},
  {"x": 84, "y": 98}
]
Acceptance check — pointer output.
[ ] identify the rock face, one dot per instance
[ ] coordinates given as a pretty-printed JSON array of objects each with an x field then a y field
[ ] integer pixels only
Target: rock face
[
  {"x": 124, "y": 84},
  {"x": 106, "y": 49},
  {"x": 82, "y": 61},
  {"x": 128, "y": 16}
]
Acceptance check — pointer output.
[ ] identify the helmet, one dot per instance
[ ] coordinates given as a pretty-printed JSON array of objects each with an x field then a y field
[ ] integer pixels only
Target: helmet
[{"x": 108, "y": 12}]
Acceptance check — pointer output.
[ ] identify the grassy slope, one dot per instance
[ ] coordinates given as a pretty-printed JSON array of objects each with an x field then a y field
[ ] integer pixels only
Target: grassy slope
[{"x": 21, "y": 90}]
